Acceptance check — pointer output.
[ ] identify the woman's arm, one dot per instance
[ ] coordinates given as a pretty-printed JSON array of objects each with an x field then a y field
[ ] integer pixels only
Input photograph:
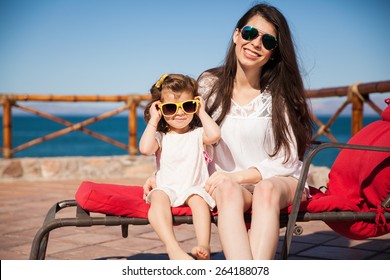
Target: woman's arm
[{"x": 248, "y": 176}]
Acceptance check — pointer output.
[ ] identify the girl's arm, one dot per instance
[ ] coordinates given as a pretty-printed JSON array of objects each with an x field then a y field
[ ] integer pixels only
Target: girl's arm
[
  {"x": 211, "y": 130},
  {"x": 148, "y": 144}
]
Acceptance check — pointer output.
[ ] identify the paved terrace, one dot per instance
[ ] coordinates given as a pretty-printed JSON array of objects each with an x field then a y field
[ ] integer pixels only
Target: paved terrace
[{"x": 24, "y": 202}]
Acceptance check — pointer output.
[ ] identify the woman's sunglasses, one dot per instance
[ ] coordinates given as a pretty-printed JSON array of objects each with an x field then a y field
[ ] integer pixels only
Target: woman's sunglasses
[
  {"x": 250, "y": 33},
  {"x": 170, "y": 108}
]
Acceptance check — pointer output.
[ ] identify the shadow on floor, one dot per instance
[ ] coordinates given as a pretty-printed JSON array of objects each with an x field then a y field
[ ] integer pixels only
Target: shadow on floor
[{"x": 147, "y": 256}]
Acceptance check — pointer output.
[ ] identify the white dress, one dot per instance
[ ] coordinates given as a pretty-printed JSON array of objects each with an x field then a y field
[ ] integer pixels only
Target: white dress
[
  {"x": 247, "y": 138},
  {"x": 182, "y": 167}
]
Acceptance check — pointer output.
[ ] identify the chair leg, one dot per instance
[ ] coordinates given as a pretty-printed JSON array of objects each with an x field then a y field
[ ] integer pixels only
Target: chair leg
[
  {"x": 125, "y": 231},
  {"x": 41, "y": 239}
]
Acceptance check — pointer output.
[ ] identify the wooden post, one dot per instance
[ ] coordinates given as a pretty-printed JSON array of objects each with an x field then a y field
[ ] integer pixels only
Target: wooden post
[
  {"x": 133, "y": 150},
  {"x": 7, "y": 127},
  {"x": 357, "y": 110}
]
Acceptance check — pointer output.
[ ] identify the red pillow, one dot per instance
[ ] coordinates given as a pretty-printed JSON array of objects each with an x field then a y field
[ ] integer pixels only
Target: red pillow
[
  {"x": 112, "y": 199},
  {"x": 363, "y": 177},
  {"x": 118, "y": 200}
]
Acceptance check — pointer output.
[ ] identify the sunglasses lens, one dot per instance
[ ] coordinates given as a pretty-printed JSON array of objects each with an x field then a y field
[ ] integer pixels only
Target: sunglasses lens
[
  {"x": 249, "y": 33},
  {"x": 190, "y": 107},
  {"x": 269, "y": 41},
  {"x": 169, "y": 109}
]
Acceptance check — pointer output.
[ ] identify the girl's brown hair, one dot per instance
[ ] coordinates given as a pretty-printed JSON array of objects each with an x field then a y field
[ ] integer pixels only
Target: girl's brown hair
[{"x": 177, "y": 83}]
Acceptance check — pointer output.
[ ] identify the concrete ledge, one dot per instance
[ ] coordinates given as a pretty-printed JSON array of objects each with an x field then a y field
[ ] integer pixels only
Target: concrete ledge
[
  {"x": 58, "y": 168},
  {"x": 108, "y": 167}
]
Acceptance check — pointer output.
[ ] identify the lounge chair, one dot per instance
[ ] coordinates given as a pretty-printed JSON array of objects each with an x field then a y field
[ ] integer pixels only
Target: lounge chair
[{"x": 356, "y": 203}]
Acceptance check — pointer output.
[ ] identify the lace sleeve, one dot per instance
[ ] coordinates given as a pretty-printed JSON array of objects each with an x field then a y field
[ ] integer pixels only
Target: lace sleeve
[{"x": 205, "y": 84}]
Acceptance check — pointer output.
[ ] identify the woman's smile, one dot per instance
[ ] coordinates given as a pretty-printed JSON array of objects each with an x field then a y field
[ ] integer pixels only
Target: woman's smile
[{"x": 251, "y": 54}]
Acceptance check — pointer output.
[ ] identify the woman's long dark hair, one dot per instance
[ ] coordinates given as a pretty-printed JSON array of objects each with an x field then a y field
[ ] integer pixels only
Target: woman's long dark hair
[{"x": 281, "y": 76}]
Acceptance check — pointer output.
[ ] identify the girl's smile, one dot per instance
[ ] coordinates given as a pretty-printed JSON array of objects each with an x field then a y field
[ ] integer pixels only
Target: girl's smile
[{"x": 179, "y": 122}]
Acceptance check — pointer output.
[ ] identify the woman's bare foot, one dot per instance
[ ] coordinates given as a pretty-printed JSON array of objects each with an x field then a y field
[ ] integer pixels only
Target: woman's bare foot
[{"x": 201, "y": 253}]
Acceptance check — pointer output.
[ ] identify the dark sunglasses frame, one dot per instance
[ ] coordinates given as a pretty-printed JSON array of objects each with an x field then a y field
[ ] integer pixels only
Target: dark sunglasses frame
[
  {"x": 168, "y": 112},
  {"x": 250, "y": 33}
]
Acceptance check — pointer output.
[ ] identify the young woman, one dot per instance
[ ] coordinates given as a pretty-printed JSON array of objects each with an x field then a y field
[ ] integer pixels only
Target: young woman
[
  {"x": 257, "y": 97},
  {"x": 173, "y": 133}
]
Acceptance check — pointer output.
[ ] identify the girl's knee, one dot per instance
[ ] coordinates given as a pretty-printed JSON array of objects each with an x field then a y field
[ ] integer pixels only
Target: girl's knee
[
  {"x": 159, "y": 197},
  {"x": 194, "y": 198},
  {"x": 196, "y": 201}
]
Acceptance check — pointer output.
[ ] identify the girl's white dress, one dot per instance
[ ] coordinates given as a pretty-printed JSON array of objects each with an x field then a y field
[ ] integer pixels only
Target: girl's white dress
[
  {"x": 181, "y": 167},
  {"x": 247, "y": 138}
]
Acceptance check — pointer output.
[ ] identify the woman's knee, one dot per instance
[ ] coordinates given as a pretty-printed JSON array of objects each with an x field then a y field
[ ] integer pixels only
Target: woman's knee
[
  {"x": 265, "y": 192},
  {"x": 229, "y": 194}
]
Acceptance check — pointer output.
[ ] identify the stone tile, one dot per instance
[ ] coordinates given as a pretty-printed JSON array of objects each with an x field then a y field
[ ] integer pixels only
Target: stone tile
[
  {"x": 368, "y": 244},
  {"x": 8, "y": 242},
  {"x": 382, "y": 256},
  {"x": 88, "y": 253},
  {"x": 336, "y": 253},
  {"x": 12, "y": 255},
  {"x": 137, "y": 244},
  {"x": 86, "y": 238},
  {"x": 55, "y": 246},
  {"x": 313, "y": 238},
  {"x": 24, "y": 204},
  {"x": 182, "y": 233},
  {"x": 382, "y": 237},
  {"x": 295, "y": 247}
]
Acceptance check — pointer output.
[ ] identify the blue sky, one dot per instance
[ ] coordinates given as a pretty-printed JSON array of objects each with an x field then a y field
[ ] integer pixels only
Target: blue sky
[{"x": 122, "y": 47}]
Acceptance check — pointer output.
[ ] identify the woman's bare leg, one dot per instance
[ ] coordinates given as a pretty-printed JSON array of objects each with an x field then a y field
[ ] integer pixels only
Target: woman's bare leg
[
  {"x": 269, "y": 197},
  {"x": 232, "y": 201},
  {"x": 160, "y": 217},
  {"x": 202, "y": 223}
]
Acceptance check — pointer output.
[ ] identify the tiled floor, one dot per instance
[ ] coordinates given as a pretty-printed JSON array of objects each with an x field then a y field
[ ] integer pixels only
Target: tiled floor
[{"x": 23, "y": 206}]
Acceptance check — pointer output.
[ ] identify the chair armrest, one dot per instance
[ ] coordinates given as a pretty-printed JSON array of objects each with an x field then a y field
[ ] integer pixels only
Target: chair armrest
[{"x": 302, "y": 180}]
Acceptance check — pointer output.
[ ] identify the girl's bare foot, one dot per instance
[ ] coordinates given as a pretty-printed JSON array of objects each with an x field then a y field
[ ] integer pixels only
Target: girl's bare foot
[
  {"x": 178, "y": 254},
  {"x": 201, "y": 253}
]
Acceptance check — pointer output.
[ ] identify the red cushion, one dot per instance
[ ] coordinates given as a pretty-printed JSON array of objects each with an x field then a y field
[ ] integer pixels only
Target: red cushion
[
  {"x": 127, "y": 201},
  {"x": 363, "y": 178},
  {"x": 112, "y": 199},
  {"x": 386, "y": 112},
  {"x": 118, "y": 200}
]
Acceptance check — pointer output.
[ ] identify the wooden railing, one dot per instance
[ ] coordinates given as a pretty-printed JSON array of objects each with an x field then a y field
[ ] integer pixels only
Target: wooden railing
[
  {"x": 356, "y": 94},
  {"x": 131, "y": 102}
]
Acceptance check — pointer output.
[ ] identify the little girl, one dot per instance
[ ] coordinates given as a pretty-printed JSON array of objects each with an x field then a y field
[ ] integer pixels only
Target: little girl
[{"x": 178, "y": 128}]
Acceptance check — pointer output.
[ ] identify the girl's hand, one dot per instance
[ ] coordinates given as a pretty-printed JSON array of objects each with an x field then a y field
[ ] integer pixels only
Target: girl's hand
[
  {"x": 202, "y": 105},
  {"x": 149, "y": 185},
  {"x": 155, "y": 113}
]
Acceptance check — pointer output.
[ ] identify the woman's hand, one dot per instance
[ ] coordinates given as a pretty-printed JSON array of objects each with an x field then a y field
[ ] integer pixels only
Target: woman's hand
[
  {"x": 218, "y": 179},
  {"x": 149, "y": 185}
]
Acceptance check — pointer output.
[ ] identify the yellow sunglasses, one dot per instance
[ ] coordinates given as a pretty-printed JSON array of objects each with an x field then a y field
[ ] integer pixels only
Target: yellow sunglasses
[{"x": 170, "y": 108}]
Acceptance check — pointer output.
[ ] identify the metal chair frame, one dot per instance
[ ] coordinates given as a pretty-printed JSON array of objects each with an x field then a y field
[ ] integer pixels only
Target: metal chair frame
[{"x": 84, "y": 219}]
